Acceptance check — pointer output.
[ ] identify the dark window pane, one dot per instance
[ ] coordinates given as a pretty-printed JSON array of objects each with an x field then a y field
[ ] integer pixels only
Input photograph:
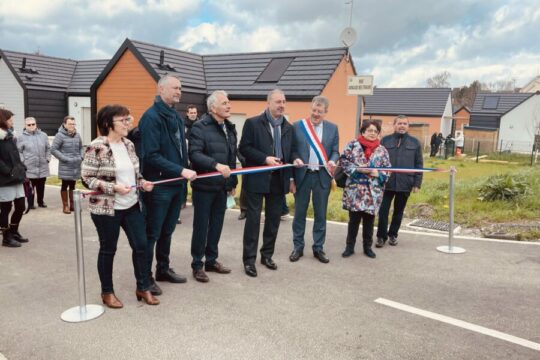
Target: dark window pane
[
  {"x": 274, "y": 70},
  {"x": 490, "y": 102}
]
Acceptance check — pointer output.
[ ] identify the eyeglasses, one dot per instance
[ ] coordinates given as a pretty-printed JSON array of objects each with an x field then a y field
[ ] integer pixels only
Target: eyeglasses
[
  {"x": 125, "y": 121},
  {"x": 30, "y": 124},
  {"x": 370, "y": 131}
]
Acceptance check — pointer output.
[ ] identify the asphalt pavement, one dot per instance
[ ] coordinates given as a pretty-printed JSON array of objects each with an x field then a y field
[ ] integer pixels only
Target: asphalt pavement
[{"x": 304, "y": 310}]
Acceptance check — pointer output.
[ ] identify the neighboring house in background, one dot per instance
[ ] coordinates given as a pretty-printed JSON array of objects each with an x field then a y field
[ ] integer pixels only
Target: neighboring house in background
[
  {"x": 532, "y": 86},
  {"x": 462, "y": 116},
  {"x": 131, "y": 76},
  {"x": 516, "y": 116},
  {"x": 46, "y": 88},
  {"x": 429, "y": 110}
]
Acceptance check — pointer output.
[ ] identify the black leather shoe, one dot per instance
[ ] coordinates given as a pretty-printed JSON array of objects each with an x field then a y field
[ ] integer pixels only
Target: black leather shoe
[
  {"x": 178, "y": 222},
  {"x": 242, "y": 215},
  {"x": 250, "y": 270},
  {"x": 269, "y": 263},
  {"x": 321, "y": 256},
  {"x": 296, "y": 255},
  {"x": 392, "y": 241},
  {"x": 42, "y": 205},
  {"x": 32, "y": 207},
  {"x": 171, "y": 276},
  {"x": 380, "y": 242},
  {"x": 369, "y": 253},
  {"x": 154, "y": 288},
  {"x": 348, "y": 252}
]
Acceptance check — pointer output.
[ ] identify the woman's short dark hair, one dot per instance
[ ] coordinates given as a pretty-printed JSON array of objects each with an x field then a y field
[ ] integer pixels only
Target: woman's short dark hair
[
  {"x": 5, "y": 115},
  {"x": 105, "y": 117},
  {"x": 367, "y": 123}
]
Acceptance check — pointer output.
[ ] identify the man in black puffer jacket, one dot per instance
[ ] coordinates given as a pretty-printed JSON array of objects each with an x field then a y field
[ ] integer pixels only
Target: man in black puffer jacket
[
  {"x": 212, "y": 147},
  {"x": 405, "y": 152}
]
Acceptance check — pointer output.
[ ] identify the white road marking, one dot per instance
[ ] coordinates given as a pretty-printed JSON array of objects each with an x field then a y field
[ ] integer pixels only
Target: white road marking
[{"x": 460, "y": 323}]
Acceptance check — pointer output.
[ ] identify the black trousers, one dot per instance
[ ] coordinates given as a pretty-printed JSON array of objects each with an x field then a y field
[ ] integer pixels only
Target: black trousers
[
  {"x": 272, "y": 218},
  {"x": 400, "y": 201},
  {"x": 355, "y": 217},
  {"x": 208, "y": 214},
  {"x": 39, "y": 186}
]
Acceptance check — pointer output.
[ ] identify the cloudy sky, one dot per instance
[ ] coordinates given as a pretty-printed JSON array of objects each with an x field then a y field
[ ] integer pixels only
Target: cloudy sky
[{"x": 402, "y": 43}]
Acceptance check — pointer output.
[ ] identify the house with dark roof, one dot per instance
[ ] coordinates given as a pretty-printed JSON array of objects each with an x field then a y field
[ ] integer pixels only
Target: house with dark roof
[
  {"x": 462, "y": 116},
  {"x": 429, "y": 110},
  {"x": 46, "y": 88},
  {"x": 516, "y": 116},
  {"x": 131, "y": 78}
]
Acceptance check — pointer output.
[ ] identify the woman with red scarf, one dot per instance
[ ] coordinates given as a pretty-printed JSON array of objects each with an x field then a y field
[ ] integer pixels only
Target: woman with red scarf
[{"x": 363, "y": 190}]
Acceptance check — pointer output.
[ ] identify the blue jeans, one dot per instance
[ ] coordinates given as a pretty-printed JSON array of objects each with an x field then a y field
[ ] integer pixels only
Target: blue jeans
[
  {"x": 400, "y": 201},
  {"x": 209, "y": 212},
  {"x": 108, "y": 229},
  {"x": 162, "y": 207},
  {"x": 310, "y": 187}
]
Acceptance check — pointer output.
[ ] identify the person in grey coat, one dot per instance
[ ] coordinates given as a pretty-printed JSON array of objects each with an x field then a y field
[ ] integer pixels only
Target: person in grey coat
[
  {"x": 35, "y": 152},
  {"x": 67, "y": 148}
]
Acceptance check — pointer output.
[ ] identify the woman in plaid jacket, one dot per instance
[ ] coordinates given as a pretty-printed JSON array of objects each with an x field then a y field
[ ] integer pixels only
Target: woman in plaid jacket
[{"x": 111, "y": 167}]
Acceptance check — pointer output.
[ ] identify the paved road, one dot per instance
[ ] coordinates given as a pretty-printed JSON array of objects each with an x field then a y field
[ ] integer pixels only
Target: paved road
[{"x": 304, "y": 310}]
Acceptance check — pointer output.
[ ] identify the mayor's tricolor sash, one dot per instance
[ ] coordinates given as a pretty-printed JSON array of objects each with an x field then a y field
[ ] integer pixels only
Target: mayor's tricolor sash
[{"x": 314, "y": 142}]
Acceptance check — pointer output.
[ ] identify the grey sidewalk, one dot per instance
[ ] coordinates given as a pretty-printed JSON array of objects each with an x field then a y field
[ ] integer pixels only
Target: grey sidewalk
[{"x": 304, "y": 310}]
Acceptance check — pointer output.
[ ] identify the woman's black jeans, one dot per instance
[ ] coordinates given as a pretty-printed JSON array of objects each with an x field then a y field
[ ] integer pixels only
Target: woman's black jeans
[{"x": 108, "y": 229}]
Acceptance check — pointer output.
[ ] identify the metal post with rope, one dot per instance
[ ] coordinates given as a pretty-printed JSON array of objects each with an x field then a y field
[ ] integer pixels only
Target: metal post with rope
[
  {"x": 450, "y": 249},
  {"x": 83, "y": 312}
]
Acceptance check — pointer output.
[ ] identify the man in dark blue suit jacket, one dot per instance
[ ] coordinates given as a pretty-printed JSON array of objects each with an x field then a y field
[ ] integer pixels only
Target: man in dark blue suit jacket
[
  {"x": 266, "y": 140},
  {"x": 312, "y": 180}
]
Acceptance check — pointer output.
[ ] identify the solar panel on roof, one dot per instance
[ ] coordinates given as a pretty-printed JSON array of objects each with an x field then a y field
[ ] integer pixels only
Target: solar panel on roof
[
  {"x": 490, "y": 102},
  {"x": 275, "y": 70}
]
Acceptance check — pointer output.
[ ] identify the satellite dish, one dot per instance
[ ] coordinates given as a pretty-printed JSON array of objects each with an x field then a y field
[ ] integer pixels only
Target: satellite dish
[{"x": 348, "y": 36}]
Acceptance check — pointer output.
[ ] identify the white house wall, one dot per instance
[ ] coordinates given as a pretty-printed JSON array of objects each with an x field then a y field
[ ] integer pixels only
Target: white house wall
[
  {"x": 518, "y": 126},
  {"x": 11, "y": 95},
  {"x": 446, "y": 118},
  {"x": 76, "y": 105}
]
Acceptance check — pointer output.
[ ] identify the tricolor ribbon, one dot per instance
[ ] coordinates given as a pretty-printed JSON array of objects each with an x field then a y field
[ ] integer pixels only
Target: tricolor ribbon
[{"x": 263, "y": 168}]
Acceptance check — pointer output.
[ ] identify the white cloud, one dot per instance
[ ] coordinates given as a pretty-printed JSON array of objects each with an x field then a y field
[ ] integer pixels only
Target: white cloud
[
  {"x": 111, "y": 8},
  {"x": 172, "y": 6},
  {"x": 29, "y": 9},
  {"x": 215, "y": 38}
]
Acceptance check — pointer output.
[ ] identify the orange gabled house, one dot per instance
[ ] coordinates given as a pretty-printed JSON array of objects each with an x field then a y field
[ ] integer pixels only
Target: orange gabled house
[{"x": 131, "y": 77}]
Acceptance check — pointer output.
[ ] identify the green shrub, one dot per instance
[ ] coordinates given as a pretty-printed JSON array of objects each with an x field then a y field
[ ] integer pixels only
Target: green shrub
[{"x": 503, "y": 187}]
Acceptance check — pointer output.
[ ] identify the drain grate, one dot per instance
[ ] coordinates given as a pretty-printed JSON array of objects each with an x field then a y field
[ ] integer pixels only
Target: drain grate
[{"x": 433, "y": 225}]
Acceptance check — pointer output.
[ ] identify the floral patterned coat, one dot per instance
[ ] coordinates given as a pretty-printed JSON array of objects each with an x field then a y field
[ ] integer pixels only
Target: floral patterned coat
[{"x": 363, "y": 192}]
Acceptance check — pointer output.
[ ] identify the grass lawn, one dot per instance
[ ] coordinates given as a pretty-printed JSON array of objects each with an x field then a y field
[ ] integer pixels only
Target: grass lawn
[{"x": 469, "y": 211}]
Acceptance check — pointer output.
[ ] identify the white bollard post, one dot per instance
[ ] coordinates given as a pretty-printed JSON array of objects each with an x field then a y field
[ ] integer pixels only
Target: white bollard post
[
  {"x": 83, "y": 312},
  {"x": 449, "y": 249}
]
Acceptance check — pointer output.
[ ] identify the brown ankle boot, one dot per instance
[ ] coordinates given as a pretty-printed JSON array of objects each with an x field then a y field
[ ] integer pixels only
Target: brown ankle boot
[
  {"x": 71, "y": 206},
  {"x": 65, "y": 204}
]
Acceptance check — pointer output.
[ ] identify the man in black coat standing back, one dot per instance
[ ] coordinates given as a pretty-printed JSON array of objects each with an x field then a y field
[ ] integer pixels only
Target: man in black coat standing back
[
  {"x": 405, "y": 152},
  {"x": 266, "y": 140}
]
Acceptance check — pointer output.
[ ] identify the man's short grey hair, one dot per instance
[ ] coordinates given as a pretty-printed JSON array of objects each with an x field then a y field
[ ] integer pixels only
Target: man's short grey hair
[
  {"x": 275, "y": 91},
  {"x": 30, "y": 118},
  {"x": 322, "y": 101},
  {"x": 165, "y": 79},
  {"x": 212, "y": 99},
  {"x": 399, "y": 117}
]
